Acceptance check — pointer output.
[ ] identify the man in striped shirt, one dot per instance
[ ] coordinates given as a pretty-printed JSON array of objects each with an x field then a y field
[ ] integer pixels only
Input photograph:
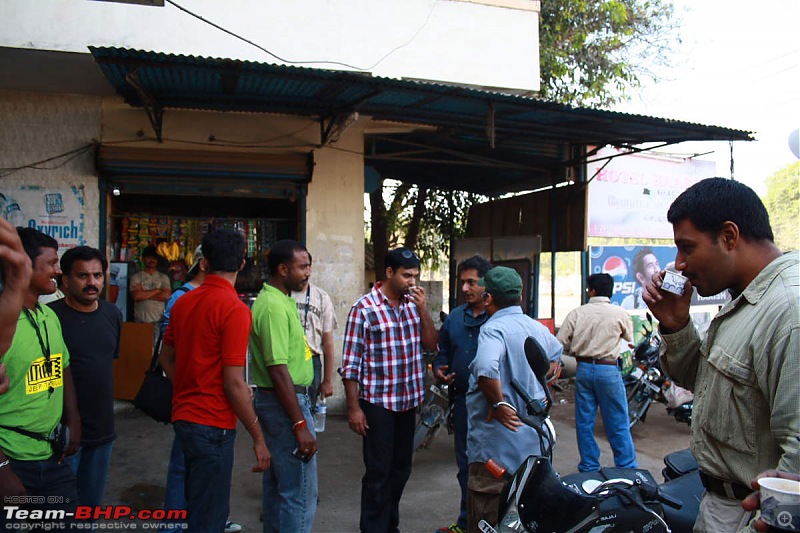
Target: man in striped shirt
[{"x": 387, "y": 330}]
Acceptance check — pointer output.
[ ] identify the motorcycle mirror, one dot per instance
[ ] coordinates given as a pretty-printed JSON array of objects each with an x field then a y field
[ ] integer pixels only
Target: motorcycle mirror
[{"x": 537, "y": 359}]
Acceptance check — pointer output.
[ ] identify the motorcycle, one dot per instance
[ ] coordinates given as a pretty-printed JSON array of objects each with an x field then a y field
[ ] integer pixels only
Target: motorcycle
[
  {"x": 536, "y": 499},
  {"x": 647, "y": 382},
  {"x": 435, "y": 412}
]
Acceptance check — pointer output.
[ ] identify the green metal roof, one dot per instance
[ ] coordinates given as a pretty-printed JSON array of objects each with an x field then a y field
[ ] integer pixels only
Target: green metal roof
[{"x": 484, "y": 142}]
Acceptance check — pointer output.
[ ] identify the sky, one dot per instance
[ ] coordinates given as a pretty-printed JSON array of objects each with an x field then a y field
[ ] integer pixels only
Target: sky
[{"x": 739, "y": 67}]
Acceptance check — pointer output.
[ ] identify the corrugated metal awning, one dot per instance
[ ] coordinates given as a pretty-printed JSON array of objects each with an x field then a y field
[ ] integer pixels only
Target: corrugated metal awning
[{"x": 483, "y": 141}]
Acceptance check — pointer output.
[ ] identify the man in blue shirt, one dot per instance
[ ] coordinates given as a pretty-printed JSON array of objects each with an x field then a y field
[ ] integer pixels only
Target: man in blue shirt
[
  {"x": 495, "y": 431},
  {"x": 458, "y": 342}
]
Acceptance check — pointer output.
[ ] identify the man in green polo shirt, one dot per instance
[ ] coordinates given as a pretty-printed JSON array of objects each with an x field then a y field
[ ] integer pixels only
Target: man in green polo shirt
[
  {"x": 41, "y": 395},
  {"x": 282, "y": 369}
]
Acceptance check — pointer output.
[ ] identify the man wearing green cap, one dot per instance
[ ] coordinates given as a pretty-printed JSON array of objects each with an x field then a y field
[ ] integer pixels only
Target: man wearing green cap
[{"x": 495, "y": 431}]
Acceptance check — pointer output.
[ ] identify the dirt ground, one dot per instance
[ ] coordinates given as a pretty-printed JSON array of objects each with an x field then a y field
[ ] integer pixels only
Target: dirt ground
[{"x": 430, "y": 500}]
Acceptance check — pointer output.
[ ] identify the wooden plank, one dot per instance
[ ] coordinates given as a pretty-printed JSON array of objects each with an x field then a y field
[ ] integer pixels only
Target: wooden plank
[{"x": 135, "y": 352}]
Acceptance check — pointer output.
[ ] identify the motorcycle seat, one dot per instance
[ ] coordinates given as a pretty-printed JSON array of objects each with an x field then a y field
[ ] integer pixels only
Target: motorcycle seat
[
  {"x": 689, "y": 490},
  {"x": 678, "y": 464}
]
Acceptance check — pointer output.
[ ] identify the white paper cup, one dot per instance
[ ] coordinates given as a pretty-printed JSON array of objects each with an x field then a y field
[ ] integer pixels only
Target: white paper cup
[
  {"x": 780, "y": 503},
  {"x": 673, "y": 282}
]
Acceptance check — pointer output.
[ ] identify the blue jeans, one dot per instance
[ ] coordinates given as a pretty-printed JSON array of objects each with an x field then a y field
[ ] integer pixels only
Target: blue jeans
[
  {"x": 90, "y": 465},
  {"x": 45, "y": 478},
  {"x": 175, "y": 493},
  {"x": 601, "y": 386},
  {"x": 208, "y": 454},
  {"x": 289, "y": 486},
  {"x": 460, "y": 436}
]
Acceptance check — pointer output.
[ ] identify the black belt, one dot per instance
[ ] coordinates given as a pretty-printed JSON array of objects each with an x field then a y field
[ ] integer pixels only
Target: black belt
[
  {"x": 299, "y": 389},
  {"x": 724, "y": 489},
  {"x": 593, "y": 361}
]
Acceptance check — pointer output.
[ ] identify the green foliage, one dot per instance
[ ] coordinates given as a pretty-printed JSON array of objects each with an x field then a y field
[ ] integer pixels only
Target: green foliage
[
  {"x": 445, "y": 217},
  {"x": 593, "y": 52},
  {"x": 783, "y": 204}
]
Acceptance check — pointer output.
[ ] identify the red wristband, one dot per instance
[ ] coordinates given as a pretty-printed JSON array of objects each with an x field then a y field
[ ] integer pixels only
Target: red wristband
[{"x": 299, "y": 424}]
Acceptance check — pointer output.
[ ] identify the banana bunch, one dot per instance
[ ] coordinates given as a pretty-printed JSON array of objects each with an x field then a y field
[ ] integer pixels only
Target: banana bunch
[
  {"x": 189, "y": 259},
  {"x": 169, "y": 250}
]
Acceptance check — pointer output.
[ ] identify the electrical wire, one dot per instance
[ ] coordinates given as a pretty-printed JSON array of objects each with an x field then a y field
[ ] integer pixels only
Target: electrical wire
[
  {"x": 69, "y": 155},
  {"x": 320, "y": 62},
  {"x": 264, "y": 141}
]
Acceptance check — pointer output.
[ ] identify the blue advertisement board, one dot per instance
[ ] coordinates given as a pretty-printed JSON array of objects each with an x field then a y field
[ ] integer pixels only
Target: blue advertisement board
[{"x": 631, "y": 266}]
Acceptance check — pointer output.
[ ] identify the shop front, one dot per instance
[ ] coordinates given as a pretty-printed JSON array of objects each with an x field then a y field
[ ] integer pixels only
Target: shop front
[{"x": 171, "y": 198}]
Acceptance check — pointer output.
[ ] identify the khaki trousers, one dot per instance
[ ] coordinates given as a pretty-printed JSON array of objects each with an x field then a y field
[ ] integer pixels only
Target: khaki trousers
[{"x": 718, "y": 514}]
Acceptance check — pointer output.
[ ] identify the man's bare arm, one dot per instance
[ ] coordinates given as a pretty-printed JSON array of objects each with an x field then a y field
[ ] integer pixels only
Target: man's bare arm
[
  {"x": 284, "y": 389},
  {"x": 71, "y": 415},
  {"x": 166, "y": 358}
]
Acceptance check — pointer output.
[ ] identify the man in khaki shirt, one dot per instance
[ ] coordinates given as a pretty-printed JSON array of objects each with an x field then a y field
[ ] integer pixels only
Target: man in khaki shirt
[
  {"x": 745, "y": 372},
  {"x": 592, "y": 333},
  {"x": 316, "y": 314}
]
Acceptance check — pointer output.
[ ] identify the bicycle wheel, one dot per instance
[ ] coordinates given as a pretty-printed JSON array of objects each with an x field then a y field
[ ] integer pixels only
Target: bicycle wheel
[{"x": 430, "y": 419}]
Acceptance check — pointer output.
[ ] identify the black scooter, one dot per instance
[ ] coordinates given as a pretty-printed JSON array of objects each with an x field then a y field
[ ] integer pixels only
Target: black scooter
[{"x": 536, "y": 499}]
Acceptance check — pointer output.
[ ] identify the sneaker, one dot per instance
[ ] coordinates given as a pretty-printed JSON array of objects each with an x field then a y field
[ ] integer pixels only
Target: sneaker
[
  {"x": 232, "y": 527},
  {"x": 452, "y": 528}
]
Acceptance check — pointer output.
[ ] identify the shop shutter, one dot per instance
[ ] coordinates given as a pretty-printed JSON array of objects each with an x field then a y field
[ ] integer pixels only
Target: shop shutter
[{"x": 205, "y": 173}]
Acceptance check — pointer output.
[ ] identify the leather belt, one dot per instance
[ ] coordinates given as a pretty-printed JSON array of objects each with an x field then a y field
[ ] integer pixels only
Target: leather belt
[
  {"x": 724, "y": 489},
  {"x": 593, "y": 361},
  {"x": 299, "y": 389}
]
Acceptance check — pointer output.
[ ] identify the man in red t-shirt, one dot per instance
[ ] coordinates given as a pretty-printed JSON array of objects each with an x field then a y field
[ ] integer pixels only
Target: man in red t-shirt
[{"x": 204, "y": 352}]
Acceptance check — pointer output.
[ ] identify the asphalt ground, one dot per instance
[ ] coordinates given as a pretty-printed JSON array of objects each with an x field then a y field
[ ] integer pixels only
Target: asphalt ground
[{"x": 141, "y": 453}]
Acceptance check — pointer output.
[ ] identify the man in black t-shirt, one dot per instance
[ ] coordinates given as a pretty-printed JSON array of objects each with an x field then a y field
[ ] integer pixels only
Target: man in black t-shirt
[{"x": 91, "y": 329}]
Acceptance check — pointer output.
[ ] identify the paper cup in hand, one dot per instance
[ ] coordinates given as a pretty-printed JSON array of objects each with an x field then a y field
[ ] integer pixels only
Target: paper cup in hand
[
  {"x": 673, "y": 282},
  {"x": 780, "y": 503}
]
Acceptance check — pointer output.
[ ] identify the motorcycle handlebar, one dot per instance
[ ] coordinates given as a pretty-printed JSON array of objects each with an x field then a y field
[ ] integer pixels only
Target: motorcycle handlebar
[{"x": 651, "y": 492}]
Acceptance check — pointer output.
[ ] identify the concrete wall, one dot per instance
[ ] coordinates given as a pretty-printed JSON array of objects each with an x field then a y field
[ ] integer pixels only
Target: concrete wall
[
  {"x": 490, "y": 42},
  {"x": 34, "y": 127}
]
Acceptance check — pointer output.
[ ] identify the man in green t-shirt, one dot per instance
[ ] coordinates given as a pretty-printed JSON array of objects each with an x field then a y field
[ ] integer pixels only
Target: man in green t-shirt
[
  {"x": 41, "y": 394},
  {"x": 282, "y": 369}
]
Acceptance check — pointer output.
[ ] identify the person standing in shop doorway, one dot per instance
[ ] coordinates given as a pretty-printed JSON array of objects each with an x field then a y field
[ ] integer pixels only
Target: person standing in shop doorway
[
  {"x": 149, "y": 289},
  {"x": 316, "y": 314},
  {"x": 91, "y": 329}
]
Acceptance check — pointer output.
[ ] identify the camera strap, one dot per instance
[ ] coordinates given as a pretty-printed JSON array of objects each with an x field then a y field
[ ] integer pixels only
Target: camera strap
[
  {"x": 308, "y": 303},
  {"x": 25, "y": 432}
]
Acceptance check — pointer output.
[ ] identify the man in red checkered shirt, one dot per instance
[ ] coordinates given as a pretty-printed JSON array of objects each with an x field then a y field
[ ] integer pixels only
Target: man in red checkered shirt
[{"x": 387, "y": 330}]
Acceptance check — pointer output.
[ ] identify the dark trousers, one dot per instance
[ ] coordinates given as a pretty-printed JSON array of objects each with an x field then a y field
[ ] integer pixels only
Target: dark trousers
[
  {"x": 313, "y": 390},
  {"x": 54, "y": 482},
  {"x": 460, "y": 439},
  {"x": 388, "y": 451}
]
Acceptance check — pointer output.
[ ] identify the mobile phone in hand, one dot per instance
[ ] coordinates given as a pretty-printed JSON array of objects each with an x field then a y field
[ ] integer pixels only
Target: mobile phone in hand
[{"x": 305, "y": 458}]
